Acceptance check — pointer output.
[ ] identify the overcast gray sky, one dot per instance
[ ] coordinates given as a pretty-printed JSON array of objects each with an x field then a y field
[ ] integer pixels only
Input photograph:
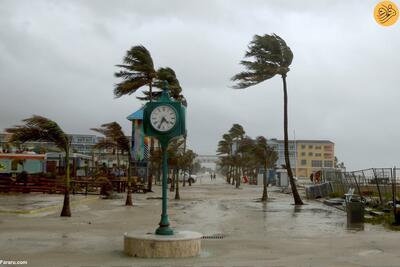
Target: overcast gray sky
[{"x": 57, "y": 59}]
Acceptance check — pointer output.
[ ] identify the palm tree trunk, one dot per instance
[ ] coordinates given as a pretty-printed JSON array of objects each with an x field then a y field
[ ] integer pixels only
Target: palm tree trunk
[
  {"x": 265, "y": 185},
  {"x": 233, "y": 174},
  {"x": 177, "y": 196},
  {"x": 129, "y": 194},
  {"x": 172, "y": 187},
  {"x": 118, "y": 163},
  {"x": 151, "y": 165},
  {"x": 238, "y": 176},
  {"x": 66, "y": 209},
  {"x": 184, "y": 169},
  {"x": 296, "y": 196}
]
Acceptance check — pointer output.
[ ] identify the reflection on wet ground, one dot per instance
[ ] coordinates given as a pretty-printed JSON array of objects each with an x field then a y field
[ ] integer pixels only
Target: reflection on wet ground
[{"x": 275, "y": 233}]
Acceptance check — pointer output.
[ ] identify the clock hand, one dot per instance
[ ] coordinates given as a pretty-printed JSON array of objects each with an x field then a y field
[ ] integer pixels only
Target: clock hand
[{"x": 162, "y": 120}]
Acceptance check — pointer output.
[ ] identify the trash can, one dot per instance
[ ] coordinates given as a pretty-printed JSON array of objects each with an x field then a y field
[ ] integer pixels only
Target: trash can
[{"x": 355, "y": 211}]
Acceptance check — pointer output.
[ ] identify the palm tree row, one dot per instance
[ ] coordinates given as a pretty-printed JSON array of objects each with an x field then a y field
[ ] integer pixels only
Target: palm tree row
[
  {"x": 136, "y": 71},
  {"x": 180, "y": 161},
  {"x": 240, "y": 155}
]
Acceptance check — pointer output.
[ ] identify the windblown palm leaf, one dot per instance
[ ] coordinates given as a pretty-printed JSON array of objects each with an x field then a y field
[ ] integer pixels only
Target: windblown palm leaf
[
  {"x": 165, "y": 74},
  {"x": 137, "y": 71},
  {"x": 270, "y": 56},
  {"x": 38, "y": 128},
  {"x": 114, "y": 137}
]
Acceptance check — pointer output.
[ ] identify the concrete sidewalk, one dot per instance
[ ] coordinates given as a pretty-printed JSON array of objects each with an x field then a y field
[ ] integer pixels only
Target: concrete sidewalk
[{"x": 250, "y": 233}]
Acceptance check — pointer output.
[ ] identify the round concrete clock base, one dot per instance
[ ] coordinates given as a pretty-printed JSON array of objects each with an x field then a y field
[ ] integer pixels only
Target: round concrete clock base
[{"x": 181, "y": 244}]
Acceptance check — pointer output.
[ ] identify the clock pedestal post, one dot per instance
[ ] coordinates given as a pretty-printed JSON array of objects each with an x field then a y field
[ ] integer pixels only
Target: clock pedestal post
[
  {"x": 164, "y": 228},
  {"x": 164, "y": 243}
]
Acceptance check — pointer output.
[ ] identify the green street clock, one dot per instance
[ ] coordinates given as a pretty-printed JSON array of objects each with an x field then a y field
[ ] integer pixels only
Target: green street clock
[{"x": 164, "y": 119}]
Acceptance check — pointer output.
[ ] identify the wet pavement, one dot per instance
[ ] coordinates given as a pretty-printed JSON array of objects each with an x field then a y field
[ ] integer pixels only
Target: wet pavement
[
  {"x": 28, "y": 203},
  {"x": 241, "y": 231}
]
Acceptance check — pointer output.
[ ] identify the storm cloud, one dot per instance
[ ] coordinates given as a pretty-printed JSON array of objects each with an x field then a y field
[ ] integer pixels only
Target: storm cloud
[{"x": 57, "y": 59}]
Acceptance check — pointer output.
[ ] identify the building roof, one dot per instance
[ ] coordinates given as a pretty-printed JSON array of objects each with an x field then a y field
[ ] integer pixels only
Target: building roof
[
  {"x": 304, "y": 141},
  {"x": 137, "y": 115}
]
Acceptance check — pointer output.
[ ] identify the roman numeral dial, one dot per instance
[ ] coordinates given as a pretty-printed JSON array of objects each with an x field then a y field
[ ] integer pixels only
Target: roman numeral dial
[{"x": 163, "y": 118}]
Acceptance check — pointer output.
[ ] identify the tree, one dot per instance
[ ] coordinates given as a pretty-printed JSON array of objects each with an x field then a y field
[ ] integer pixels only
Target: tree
[
  {"x": 165, "y": 74},
  {"x": 38, "y": 128},
  {"x": 116, "y": 139},
  {"x": 137, "y": 71},
  {"x": 237, "y": 133},
  {"x": 266, "y": 157},
  {"x": 224, "y": 151},
  {"x": 271, "y": 56}
]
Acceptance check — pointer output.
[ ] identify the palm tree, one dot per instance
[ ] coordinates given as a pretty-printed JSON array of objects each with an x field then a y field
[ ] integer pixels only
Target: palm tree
[
  {"x": 224, "y": 151},
  {"x": 116, "y": 139},
  {"x": 237, "y": 133},
  {"x": 271, "y": 57},
  {"x": 136, "y": 71},
  {"x": 267, "y": 157},
  {"x": 162, "y": 75},
  {"x": 38, "y": 128}
]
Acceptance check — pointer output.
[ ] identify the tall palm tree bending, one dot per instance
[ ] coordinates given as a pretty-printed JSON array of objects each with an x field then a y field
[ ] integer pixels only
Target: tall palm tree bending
[
  {"x": 271, "y": 56},
  {"x": 137, "y": 71},
  {"x": 38, "y": 128},
  {"x": 116, "y": 139}
]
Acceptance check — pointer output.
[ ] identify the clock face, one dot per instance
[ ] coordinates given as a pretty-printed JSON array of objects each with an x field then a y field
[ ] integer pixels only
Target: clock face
[{"x": 163, "y": 118}]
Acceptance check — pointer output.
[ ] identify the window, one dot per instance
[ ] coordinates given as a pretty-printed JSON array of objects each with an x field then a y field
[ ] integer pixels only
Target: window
[
  {"x": 310, "y": 154},
  {"x": 303, "y": 162},
  {"x": 328, "y": 148},
  {"x": 317, "y": 147},
  {"x": 328, "y": 163},
  {"x": 316, "y": 163},
  {"x": 327, "y": 155},
  {"x": 310, "y": 146},
  {"x": 318, "y": 154},
  {"x": 303, "y": 153},
  {"x": 303, "y": 146}
]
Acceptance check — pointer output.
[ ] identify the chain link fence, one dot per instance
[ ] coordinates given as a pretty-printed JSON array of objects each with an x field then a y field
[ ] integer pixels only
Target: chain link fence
[{"x": 377, "y": 187}]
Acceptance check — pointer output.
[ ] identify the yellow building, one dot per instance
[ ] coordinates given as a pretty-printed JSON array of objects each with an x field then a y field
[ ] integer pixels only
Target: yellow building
[{"x": 314, "y": 155}]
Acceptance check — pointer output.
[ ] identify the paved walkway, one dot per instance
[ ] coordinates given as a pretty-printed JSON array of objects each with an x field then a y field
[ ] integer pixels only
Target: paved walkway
[{"x": 275, "y": 233}]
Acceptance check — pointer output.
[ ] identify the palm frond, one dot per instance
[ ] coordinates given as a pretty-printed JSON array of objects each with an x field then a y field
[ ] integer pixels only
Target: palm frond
[
  {"x": 137, "y": 71},
  {"x": 39, "y": 128},
  {"x": 267, "y": 55}
]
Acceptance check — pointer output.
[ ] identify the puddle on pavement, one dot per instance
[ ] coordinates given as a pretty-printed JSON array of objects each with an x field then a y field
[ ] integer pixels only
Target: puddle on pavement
[
  {"x": 205, "y": 254},
  {"x": 370, "y": 252}
]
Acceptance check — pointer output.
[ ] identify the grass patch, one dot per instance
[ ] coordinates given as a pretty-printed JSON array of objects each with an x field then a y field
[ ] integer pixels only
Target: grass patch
[{"x": 386, "y": 219}]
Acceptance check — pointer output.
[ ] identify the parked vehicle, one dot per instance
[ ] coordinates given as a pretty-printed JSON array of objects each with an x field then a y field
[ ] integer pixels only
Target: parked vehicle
[{"x": 189, "y": 178}]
